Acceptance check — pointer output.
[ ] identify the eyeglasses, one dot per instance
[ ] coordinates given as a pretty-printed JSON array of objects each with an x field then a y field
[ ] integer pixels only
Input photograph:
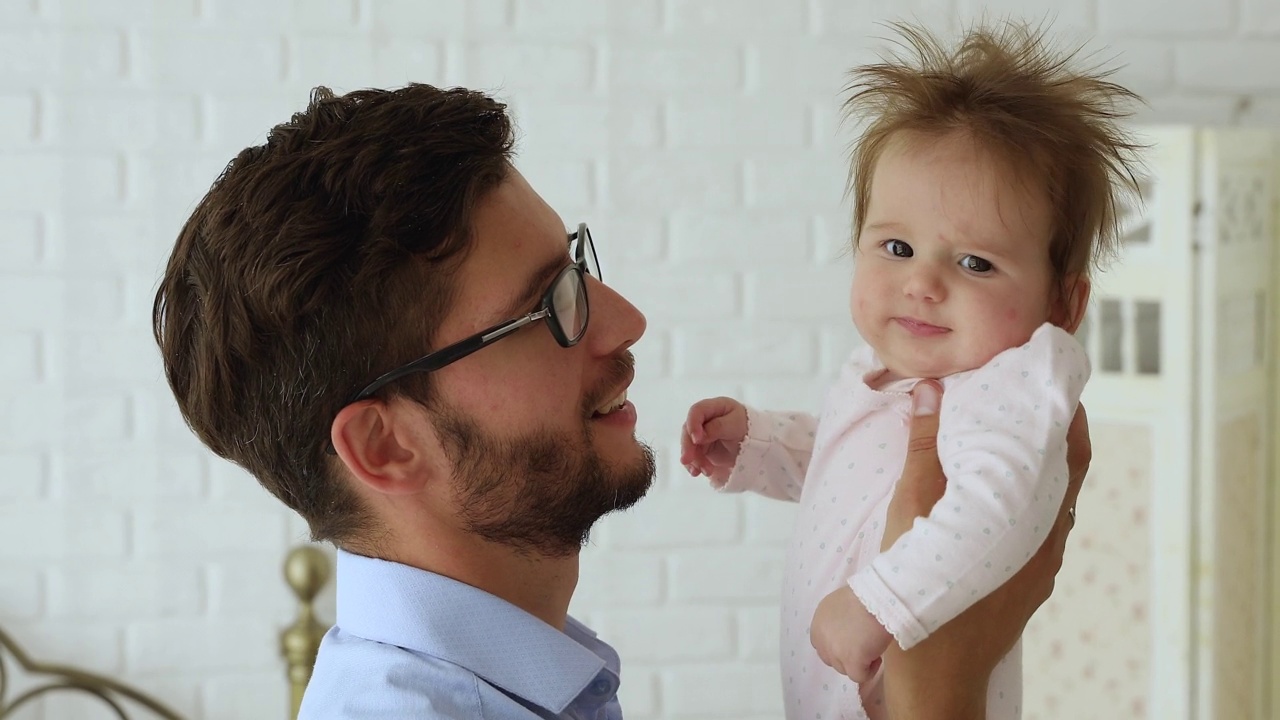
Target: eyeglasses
[{"x": 564, "y": 307}]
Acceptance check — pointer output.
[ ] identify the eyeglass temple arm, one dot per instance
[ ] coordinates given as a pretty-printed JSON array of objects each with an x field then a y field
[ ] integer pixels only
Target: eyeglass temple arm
[{"x": 452, "y": 353}]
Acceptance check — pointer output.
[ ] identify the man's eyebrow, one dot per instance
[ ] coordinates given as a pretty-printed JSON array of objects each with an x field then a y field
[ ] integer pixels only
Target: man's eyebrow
[{"x": 533, "y": 290}]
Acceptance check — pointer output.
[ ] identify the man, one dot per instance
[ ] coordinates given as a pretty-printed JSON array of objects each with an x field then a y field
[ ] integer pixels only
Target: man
[{"x": 326, "y": 320}]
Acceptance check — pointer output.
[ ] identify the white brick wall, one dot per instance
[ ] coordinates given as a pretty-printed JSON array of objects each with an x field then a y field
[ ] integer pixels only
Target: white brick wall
[{"x": 701, "y": 139}]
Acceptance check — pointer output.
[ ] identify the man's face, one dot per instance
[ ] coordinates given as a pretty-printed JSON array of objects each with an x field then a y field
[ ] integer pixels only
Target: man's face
[{"x": 540, "y": 438}]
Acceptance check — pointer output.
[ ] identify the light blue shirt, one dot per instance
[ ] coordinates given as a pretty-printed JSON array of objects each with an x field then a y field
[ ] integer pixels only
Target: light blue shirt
[{"x": 413, "y": 644}]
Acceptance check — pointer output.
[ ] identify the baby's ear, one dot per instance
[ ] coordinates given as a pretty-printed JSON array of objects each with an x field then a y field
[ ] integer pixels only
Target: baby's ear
[{"x": 1072, "y": 297}]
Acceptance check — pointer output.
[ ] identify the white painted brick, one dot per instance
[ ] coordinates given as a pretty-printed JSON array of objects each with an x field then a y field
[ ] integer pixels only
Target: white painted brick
[
  {"x": 620, "y": 579},
  {"x": 669, "y": 69},
  {"x": 239, "y": 121},
  {"x": 744, "y": 350},
  {"x": 245, "y": 696},
  {"x": 420, "y": 18},
  {"x": 703, "y": 691},
  {"x": 769, "y": 522},
  {"x": 20, "y": 357},
  {"x": 123, "y": 120},
  {"x": 177, "y": 688},
  {"x": 817, "y": 69},
  {"x": 70, "y": 56},
  {"x": 95, "y": 302},
  {"x": 26, "y": 302},
  {"x": 832, "y": 236},
  {"x": 1230, "y": 65},
  {"x": 173, "y": 180},
  {"x": 332, "y": 61},
  {"x": 1067, "y": 21},
  {"x": 194, "y": 645},
  {"x": 653, "y": 355},
  {"x": 21, "y": 594},
  {"x": 30, "y": 417},
  {"x": 667, "y": 293},
  {"x": 18, "y": 125},
  {"x": 1189, "y": 108},
  {"x": 287, "y": 15},
  {"x": 746, "y": 125},
  {"x": 125, "y": 590},
  {"x": 777, "y": 296},
  {"x": 122, "y": 355},
  {"x": 400, "y": 61},
  {"x": 22, "y": 240},
  {"x": 564, "y": 18},
  {"x": 19, "y": 11},
  {"x": 183, "y": 530},
  {"x": 90, "y": 646},
  {"x": 837, "y": 342},
  {"x": 1156, "y": 18},
  {"x": 490, "y": 17},
  {"x": 623, "y": 239},
  {"x": 758, "y": 633},
  {"x": 251, "y": 589},
  {"x": 864, "y": 21},
  {"x": 798, "y": 393},
  {"x": 734, "y": 18},
  {"x": 796, "y": 181},
  {"x": 676, "y": 519},
  {"x": 114, "y": 242},
  {"x": 46, "y": 180},
  {"x": 669, "y": 634},
  {"x": 22, "y": 476},
  {"x": 44, "y": 531},
  {"x": 661, "y": 181},
  {"x": 97, "y": 416},
  {"x": 1260, "y": 17},
  {"x": 1262, "y": 112},
  {"x": 119, "y": 12},
  {"x": 638, "y": 693},
  {"x": 141, "y": 473},
  {"x": 578, "y": 128},
  {"x": 231, "y": 483},
  {"x": 211, "y": 60},
  {"x": 1145, "y": 66},
  {"x": 523, "y": 67},
  {"x": 564, "y": 184},
  {"x": 728, "y": 574}
]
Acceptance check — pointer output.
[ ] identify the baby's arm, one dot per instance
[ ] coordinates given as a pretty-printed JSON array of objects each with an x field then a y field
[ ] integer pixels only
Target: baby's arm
[
  {"x": 740, "y": 448},
  {"x": 1002, "y": 445}
]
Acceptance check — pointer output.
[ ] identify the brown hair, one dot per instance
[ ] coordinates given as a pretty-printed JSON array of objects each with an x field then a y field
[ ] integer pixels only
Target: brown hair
[
  {"x": 315, "y": 262},
  {"x": 1008, "y": 90}
]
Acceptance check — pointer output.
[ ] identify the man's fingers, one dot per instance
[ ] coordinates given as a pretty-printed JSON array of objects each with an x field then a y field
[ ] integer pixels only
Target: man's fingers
[{"x": 923, "y": 442}]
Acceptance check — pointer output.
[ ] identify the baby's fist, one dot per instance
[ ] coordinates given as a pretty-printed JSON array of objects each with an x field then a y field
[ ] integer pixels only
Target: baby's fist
[{"x": 711, "y": 437}]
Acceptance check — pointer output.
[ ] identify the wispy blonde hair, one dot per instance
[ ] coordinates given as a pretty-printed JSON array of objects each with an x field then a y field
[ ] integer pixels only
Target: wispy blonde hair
[{"x": 1008, "y": 89}]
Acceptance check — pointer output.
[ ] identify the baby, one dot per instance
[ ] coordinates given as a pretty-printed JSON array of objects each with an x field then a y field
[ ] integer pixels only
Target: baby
[{"x": 985, "y": 190}]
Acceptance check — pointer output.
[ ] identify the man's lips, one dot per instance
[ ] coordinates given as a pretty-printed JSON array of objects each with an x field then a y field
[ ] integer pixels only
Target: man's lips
[{"x": 920, "y": 328}]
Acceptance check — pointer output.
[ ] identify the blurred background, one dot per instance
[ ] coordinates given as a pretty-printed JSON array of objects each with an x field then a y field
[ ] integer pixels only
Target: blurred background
[{"x": 701, "y": 139}]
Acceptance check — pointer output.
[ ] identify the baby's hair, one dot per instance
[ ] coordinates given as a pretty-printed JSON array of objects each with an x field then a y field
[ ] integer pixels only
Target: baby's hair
[{"x": 1005, "y": 87}]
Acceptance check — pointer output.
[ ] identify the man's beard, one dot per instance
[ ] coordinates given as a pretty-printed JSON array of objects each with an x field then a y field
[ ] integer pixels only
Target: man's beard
[{"x": 541, "y": 492}]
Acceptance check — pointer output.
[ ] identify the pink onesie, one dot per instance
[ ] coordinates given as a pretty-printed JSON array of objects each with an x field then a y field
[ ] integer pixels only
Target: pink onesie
[{"x": 1002, "y": 444}]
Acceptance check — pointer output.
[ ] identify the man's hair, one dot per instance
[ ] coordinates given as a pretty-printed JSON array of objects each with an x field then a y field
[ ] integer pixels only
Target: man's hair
[
  {"x": 1003, "y": 86},
  {"x": 316, "y": 262}
]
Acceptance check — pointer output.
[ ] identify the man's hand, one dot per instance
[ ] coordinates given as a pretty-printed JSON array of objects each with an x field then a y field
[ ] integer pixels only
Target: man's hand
[{"x": 946, "y": 675}]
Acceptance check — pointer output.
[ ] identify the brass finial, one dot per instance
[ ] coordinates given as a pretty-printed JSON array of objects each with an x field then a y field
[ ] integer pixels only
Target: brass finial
[{"x": 306, "y": 569}]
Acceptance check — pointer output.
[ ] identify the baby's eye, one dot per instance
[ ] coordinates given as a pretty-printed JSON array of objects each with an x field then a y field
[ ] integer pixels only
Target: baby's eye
[
  {"x": 897, "y": 248},
  {"x": 973, "y": 263}
]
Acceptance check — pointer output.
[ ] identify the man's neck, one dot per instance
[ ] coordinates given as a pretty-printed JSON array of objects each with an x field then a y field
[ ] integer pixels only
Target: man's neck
[{"x": 541, "y": 586}]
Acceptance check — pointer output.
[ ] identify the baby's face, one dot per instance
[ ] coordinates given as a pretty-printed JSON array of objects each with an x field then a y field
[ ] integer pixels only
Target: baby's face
[{"x": 953, "y": 260}]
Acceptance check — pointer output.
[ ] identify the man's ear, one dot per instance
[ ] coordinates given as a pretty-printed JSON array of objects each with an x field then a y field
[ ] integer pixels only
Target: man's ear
[
  {"x": 1072, "y": 298},
  {"x": 377, "y": 441}
]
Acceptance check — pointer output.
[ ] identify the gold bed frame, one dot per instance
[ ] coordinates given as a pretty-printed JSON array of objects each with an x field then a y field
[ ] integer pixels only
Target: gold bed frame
[{"x": 306, "y": 569}]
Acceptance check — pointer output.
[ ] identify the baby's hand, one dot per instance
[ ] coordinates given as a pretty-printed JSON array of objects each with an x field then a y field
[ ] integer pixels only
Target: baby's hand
[
  {"x": 847, "y": 637},
  {"x": 711, "y": 437}
]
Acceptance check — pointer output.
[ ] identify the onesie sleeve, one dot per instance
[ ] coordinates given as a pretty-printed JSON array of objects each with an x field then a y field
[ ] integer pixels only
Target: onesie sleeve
[
  {"x": 774, "y": 457},
  {"x": 1002, "y": 445}
]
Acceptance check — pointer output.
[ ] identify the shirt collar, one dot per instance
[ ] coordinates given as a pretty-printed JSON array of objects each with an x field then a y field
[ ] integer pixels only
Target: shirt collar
[{"x": 434, "y": 615}]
